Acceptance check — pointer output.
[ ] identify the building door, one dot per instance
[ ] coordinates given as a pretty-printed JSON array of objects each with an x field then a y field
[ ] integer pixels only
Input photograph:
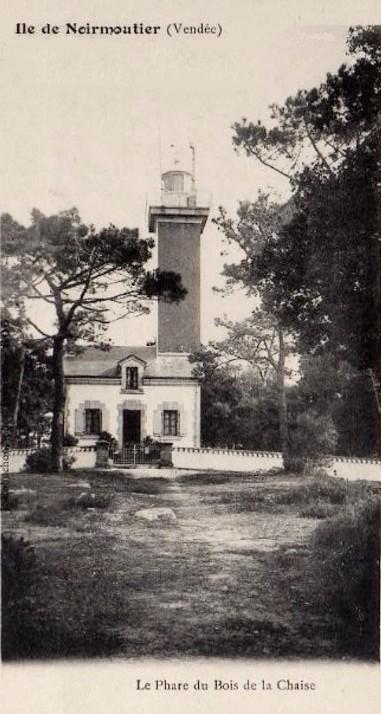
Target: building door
[{"x": 131, "y": 426}]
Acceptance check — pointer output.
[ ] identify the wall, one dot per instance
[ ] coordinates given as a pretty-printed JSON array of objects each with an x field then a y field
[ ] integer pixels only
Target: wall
[
  {"x": 226, "y": 459},
  {"x": 16, "y": 461},
  {"x": 229, "y": 459},
  {"x": 354, "y": 469},
  {"x": 216, "y": 459},
  {"x": 113, "y": 400}
]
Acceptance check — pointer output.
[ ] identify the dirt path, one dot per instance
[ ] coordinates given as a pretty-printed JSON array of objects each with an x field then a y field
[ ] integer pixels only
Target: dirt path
[{"x": 209, "y": 583}]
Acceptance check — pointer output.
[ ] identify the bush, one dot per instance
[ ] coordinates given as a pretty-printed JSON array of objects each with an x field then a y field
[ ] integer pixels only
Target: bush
[
  {"x": 318, "y": 510},
  {"x": 17, "y": 578},
  {"x": 9, "y": 501},
  {"x": 112, "y": 442},
  {"x": 88, "y": 500},
  {"x": 33, "y": 627},
  {"x": 39, "y": 461},
  {"x": 153, "y": 451},
  {"x": 325, "y": 489},
  {"x": 346, "y": 552},
  {"x": 51, "y": 516},
  {"x": 311, "y": 442},
  {"x": 70, "y": 440}
]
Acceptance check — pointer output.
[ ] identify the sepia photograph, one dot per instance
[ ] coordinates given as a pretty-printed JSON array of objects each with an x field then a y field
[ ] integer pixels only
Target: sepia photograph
[{"x": 190, "y": 345}]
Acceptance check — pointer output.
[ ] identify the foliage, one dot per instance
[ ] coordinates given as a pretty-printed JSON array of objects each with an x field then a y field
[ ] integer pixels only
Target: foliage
[
  {"x": 88, "y": 499},
  {"x": 261, "y": 341},
  {"x": 314, "y": 262},
  {"x": 259, "y": 421},
  {"x": 324, "y": 489},
  {"x": 239, "y": 406},
  {"x": 51, "y": 516},
  {"x": 26, "y": 382},
  {"x": 58, "y": 515},
  {"x": 312, "y": 440},
  {"x": 70, "y": 440},
  {"x": 39, "y": 461},
  {"x": 345, "y": 395},
  {"x": 112, "y": 442},
  {"x": 347, "y": 553},
  {"x": 29, "y": 632},
  {"x": 258, "y": 340},
  {"x": 324, "y": 122},
  {"x": 220, "y": 399},
  {"x": 318, "y": 510},
  {"x": 9, "y": 501},
  {"x": 18, "y": 564},
  {"x": 318, "y": 269}
]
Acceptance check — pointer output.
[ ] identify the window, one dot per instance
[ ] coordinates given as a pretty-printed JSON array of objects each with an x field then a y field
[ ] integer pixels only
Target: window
[
  {"x": 132, "y": 380},
  {"x": 171, "y": 423},
  {"x": 174, "y": 182},
  {"x": 93, "y": 421}
]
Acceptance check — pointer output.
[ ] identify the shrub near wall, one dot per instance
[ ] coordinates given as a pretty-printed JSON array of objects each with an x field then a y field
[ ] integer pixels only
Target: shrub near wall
[
  {"x": 39, "y": 461},
  {"x": 312, "y": 439}
]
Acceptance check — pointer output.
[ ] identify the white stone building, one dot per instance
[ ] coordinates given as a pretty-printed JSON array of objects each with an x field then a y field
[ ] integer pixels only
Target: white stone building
[
  {"x": 132, "y": 392},
  {"x": 135, "y": 392}
]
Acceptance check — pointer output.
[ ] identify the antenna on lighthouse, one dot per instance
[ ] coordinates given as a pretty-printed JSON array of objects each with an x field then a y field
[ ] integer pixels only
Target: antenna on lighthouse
[{"x": 193, "y": 150}]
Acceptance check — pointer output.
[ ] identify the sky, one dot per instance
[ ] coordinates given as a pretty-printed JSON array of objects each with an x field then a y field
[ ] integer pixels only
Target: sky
[{"x": 88, "y": 120}]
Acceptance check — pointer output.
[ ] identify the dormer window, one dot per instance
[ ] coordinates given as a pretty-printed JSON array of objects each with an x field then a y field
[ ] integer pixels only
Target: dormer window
[
  {"x": 132, "y": 378},
  {"x": 131, "y": 373}
]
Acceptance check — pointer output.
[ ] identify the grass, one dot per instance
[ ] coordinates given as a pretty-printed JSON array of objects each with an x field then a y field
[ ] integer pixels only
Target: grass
[{"x": 233, "y": 576}]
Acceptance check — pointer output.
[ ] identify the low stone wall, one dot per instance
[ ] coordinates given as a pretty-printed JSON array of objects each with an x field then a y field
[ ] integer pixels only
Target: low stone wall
[
  {"x": 229, "y": 459},
  {"x": 234, "y": 460},
  {"x": 84, "y": 456},
  {"x": 213, "y": 459},
  {"x": 356, "y": 468},
  {"x": 15, "y": 459}
]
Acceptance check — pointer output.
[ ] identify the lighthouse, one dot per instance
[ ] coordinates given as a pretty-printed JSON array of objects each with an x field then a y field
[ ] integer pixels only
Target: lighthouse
[{"x": 179, "y": 221}]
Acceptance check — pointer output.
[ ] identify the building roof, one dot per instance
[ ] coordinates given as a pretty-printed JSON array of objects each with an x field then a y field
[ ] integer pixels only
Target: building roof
[{"x": 95, "y": 362}]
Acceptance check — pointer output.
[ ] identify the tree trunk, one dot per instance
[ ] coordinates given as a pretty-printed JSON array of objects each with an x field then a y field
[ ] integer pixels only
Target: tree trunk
[
  {"x": 16, "y": 407},
  {"x": 282, "y": 403},
  {"x": 58, "y": 405}
]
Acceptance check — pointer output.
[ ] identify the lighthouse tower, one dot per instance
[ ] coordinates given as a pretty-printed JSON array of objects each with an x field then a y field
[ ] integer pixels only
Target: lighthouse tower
[{"x": 179, "y": 222}]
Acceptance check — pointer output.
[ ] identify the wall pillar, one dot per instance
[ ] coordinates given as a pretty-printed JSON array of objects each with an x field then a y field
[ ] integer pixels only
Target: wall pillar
[{"x": 102, "y": 455}]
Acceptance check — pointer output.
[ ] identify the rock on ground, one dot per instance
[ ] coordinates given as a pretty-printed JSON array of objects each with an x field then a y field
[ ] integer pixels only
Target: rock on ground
[
  {"x": 21, "y": 491},
  {"x": 85, "y": 499},
  {"x": 157, "y": 515}
]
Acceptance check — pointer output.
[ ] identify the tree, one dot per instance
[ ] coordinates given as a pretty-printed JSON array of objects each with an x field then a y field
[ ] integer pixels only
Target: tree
[
  {"x": 26, "y": 383},
  {"x": 345, "y": 395},
  {"x": 237, "y": 407},
  {"x": 320, "y": 269},
  {"x": 81, "y": 275},
  {"x": 261, "y": 342},
  {"x": 315, "y": 262},
  {"x": 221, "y": 396},
  {"x": 321, "y": 127}
]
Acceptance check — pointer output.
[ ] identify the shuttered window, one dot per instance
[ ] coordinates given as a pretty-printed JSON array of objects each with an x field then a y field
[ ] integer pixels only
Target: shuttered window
[
  {"x": 171, "y": 422},
  {"x": 93, "y": 421}
]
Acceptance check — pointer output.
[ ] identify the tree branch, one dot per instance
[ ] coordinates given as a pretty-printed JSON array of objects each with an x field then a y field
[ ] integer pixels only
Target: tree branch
[
  {"x": 45, "y": 335},
  {"x": 269, "y": 166},
  {"x": 322, "y": 158}
]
